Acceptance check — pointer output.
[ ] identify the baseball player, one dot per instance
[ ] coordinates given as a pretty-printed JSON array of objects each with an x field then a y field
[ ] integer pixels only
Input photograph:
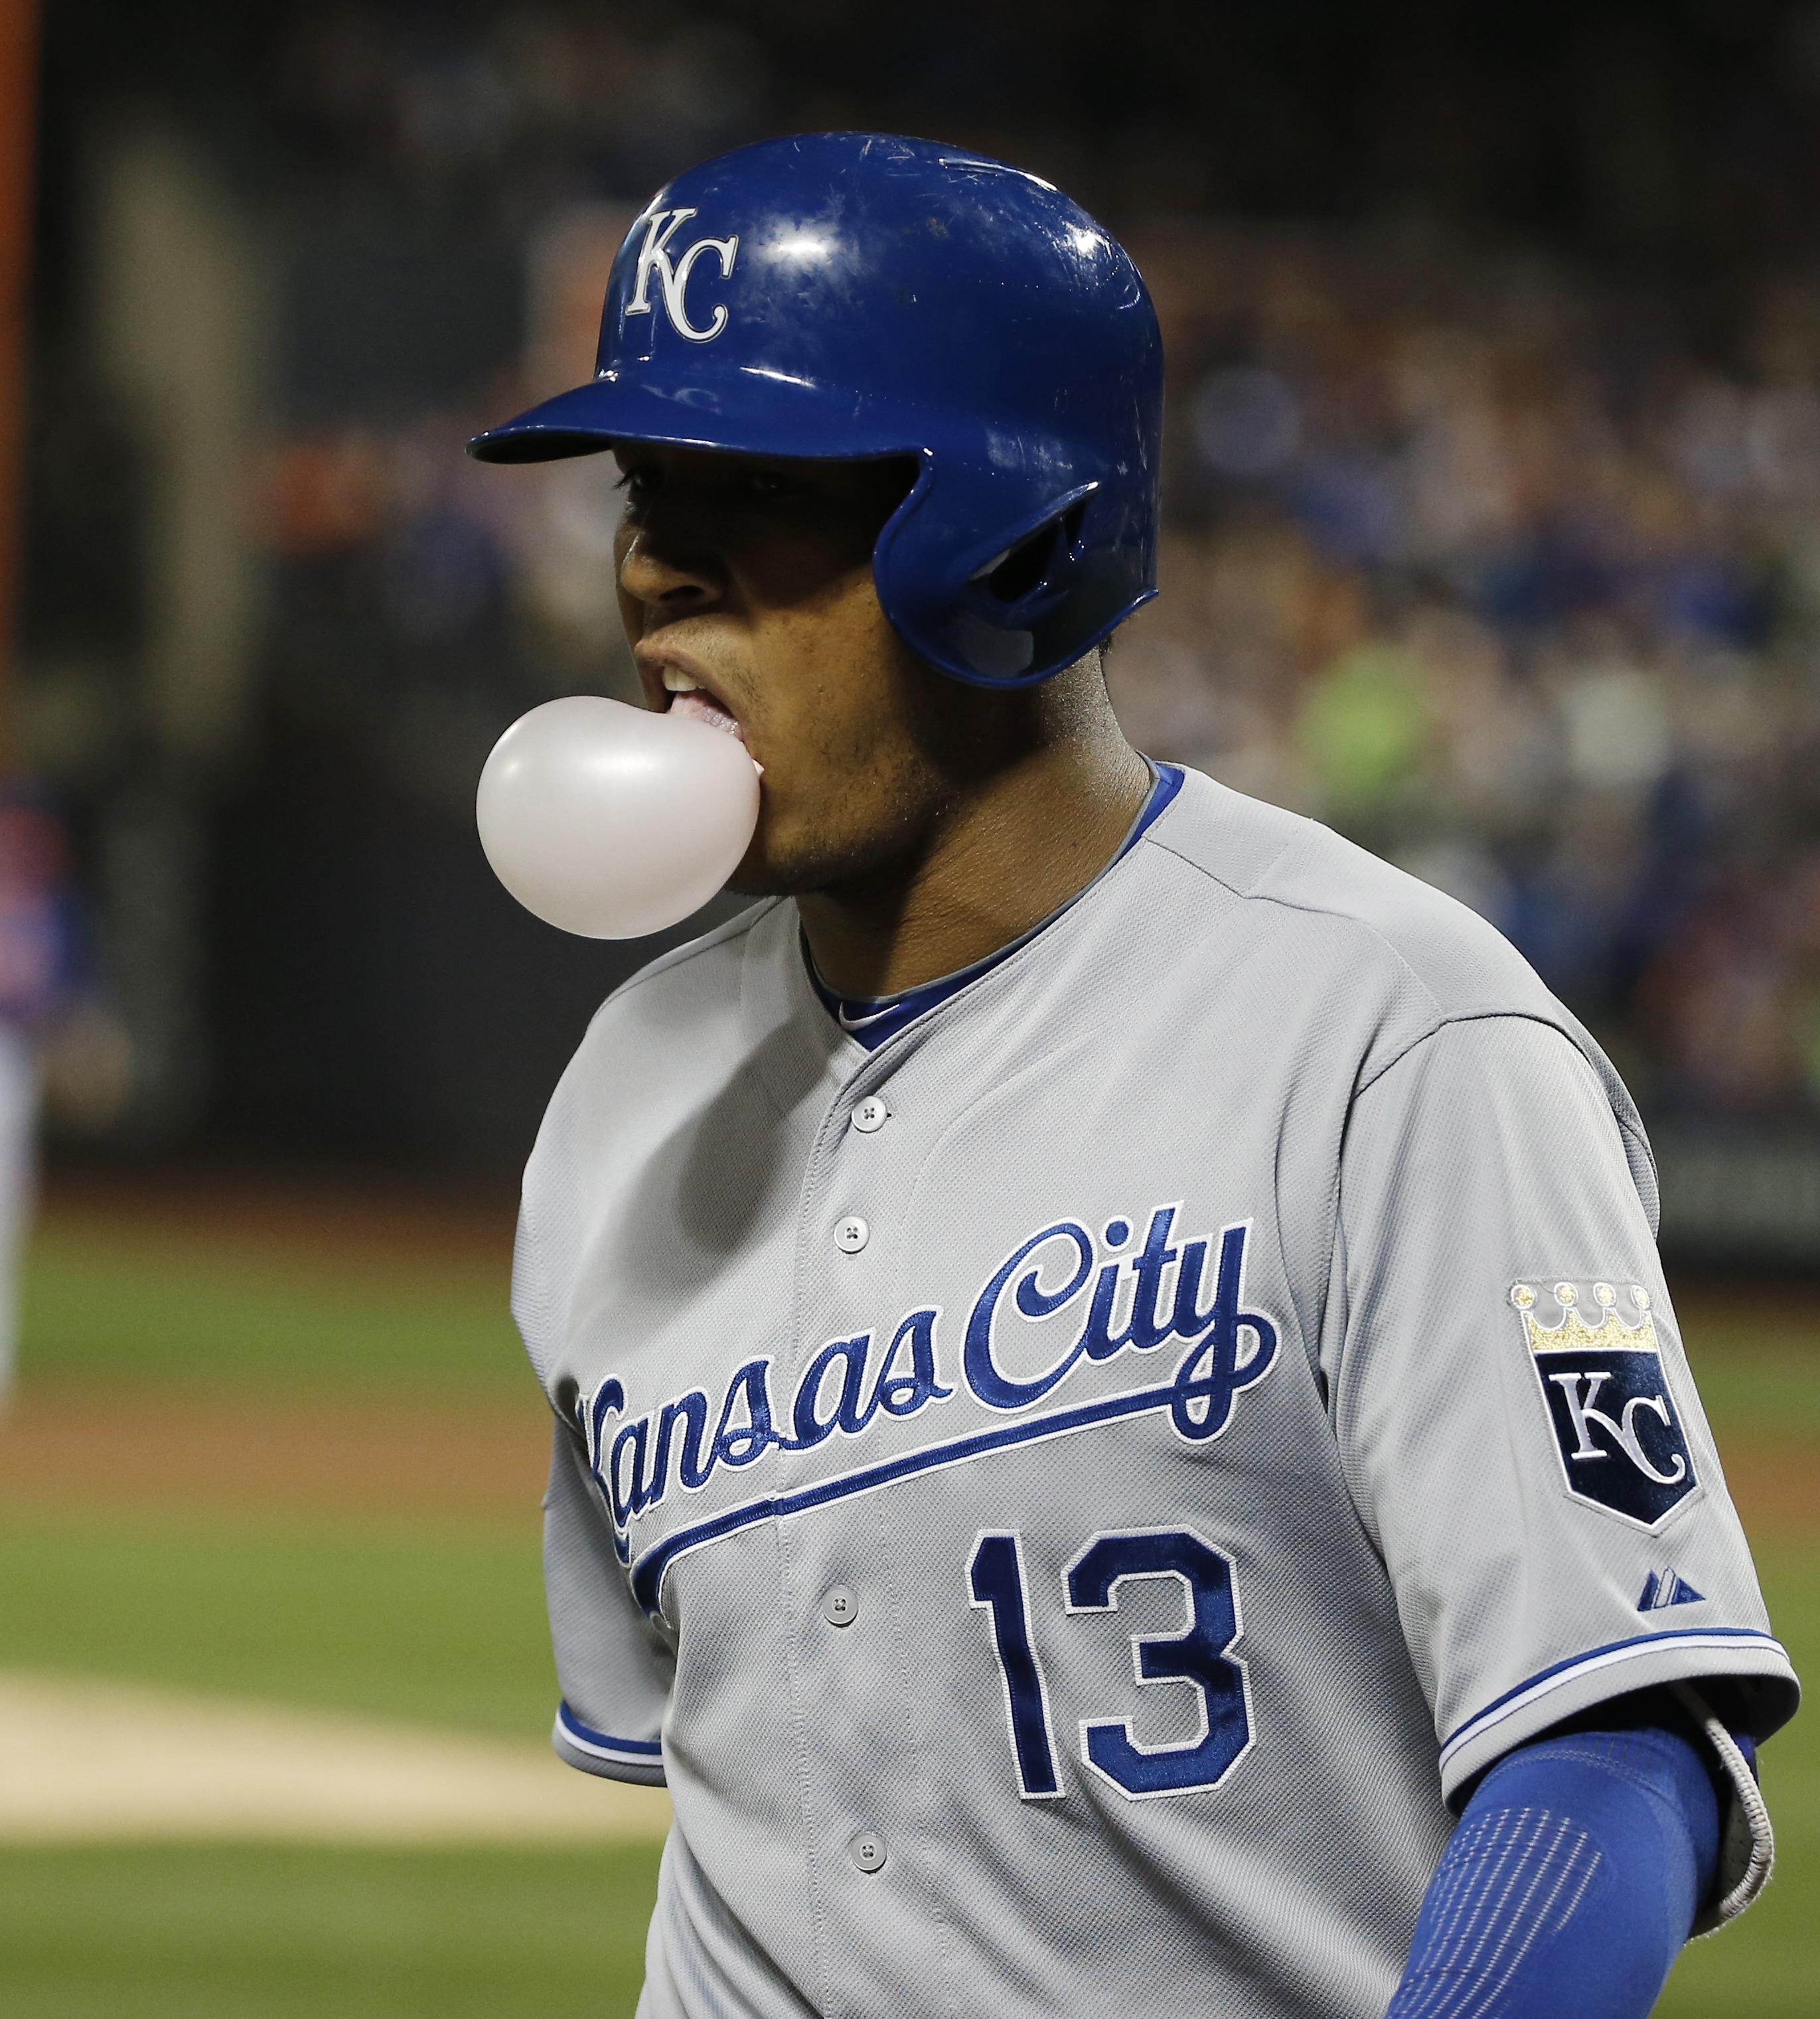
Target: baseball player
[{"x": 1121, "y": 1444}]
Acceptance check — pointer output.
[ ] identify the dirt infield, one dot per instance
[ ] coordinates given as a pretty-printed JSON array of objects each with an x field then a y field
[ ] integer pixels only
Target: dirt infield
[
  {"x": 67, "y": 1446},
  {"x": 1775, "y": 1485}
]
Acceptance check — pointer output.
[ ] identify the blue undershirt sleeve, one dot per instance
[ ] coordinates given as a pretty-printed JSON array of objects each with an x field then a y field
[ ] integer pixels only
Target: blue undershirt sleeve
[{"x": 1570, "y": 1884}]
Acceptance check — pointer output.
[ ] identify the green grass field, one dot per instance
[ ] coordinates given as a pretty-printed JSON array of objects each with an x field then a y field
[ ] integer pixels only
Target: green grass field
[
  {"x": 442, "y": 1623},
  {"x": 110, "y": 1301},
  {"x": 440, "y": 1620},
  {"x": 183, "y": 1932}
]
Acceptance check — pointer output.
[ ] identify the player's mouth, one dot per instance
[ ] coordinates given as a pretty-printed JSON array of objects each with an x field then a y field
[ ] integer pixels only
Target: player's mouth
[{"x": 687, "y": 693}]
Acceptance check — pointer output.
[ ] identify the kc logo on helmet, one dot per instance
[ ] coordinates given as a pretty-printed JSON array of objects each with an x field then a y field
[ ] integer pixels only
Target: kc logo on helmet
[
  {"x": 672, "y": 274},
  {"x": 1620, "y": 1443}
]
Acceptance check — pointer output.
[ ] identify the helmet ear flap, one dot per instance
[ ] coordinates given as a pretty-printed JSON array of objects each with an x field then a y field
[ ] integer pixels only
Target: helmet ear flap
[
  {"x": 1008, "y": 611},
  {"x": 1030, "y": 575}
]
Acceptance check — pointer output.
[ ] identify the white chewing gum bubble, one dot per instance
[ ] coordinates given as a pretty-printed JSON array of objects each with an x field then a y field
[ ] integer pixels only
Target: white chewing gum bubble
[{"x": 611, "y": 822}]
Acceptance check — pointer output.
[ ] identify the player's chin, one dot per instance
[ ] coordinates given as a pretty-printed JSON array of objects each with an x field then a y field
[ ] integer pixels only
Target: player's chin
[
  {"x": 787, "y": 859},
  {"x": 761, "y": 875},
  {"x": 765, "y": 870}
]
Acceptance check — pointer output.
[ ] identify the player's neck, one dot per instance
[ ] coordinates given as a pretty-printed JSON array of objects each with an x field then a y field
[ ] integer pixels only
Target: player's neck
[{"x": 1010, "y": 851}]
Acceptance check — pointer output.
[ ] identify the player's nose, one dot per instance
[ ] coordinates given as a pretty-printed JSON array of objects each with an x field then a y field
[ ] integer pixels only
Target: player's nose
[{"x": 664, "y": 571}]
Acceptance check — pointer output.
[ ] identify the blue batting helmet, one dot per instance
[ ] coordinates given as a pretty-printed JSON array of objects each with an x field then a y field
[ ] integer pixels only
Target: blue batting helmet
[{"x": 856, "y": 294}]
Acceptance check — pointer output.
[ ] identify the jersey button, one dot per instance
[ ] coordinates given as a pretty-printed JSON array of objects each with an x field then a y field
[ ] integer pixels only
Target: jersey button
[
  {"x": 838, "y": 1606},
  {"x": 852, "y": 1234},
  {"x": 867, "y": 1850},
  {"x": 871, "y": 1115}
]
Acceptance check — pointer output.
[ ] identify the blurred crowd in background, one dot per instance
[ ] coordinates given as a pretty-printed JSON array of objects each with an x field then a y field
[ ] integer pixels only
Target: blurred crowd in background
[
  {"x": 1500, "y": 555},
  {"x": 1491, "y": 570}
]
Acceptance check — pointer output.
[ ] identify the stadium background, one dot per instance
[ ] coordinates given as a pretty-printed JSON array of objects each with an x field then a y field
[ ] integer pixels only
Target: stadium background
[{"x": 1493, "y": 497}]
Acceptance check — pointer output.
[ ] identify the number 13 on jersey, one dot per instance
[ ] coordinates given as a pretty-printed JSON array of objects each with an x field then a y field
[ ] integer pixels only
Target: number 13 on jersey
[{"x": 1196, "y": 1658}]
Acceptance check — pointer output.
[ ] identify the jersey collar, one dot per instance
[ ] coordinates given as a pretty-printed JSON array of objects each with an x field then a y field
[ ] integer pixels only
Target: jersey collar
[{"x": 871, "y": 1020}]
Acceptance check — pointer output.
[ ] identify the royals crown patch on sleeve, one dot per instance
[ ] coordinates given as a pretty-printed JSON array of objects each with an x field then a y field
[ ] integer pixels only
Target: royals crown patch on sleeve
[{"x": 1620, "y": 1442}]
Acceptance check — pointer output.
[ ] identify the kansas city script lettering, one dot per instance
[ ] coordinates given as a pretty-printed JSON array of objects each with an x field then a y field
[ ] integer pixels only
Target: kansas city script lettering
[{"x": 1138, "y": 1303}]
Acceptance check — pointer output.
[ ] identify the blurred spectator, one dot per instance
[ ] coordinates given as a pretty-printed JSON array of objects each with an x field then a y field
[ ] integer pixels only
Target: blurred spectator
[{"x": 40, "y": 957}]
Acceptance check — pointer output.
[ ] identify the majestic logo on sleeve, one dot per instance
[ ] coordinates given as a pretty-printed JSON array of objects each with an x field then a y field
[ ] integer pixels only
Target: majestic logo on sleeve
[
  {"x": 1062, "y": 1299},
  {"x": 1621, "y": 1444},
  {"x": 670, "y": 271}
]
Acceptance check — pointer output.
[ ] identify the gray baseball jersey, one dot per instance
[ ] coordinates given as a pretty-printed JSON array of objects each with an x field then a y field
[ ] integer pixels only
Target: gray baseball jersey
[{"x": 1065, "y": 1498}]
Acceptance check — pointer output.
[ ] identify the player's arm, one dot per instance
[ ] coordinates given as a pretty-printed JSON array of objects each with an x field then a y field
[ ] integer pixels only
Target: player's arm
[
  {"x": 613, "y": 1666},
  {"x": 1547, "y": 1499},
  {"x": 1580, "y": 1864}
]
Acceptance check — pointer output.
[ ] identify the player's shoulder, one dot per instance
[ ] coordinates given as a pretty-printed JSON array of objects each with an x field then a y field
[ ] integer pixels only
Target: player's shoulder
[
  {"x": 682, "y": 1006},
  {"x": 678, "y": 1017},
  {"x": 1351, "y": 917},
  {"x": 687, "y": 981},
  {"x": 664, "y": 1041}
]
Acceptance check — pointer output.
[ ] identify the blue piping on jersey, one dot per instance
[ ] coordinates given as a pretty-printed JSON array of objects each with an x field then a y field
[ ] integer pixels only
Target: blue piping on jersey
[
  {"x": 1545, "y": 1680},
  {"x": 647, "y": 1574},
  {"x": 586, "y": 1737}
]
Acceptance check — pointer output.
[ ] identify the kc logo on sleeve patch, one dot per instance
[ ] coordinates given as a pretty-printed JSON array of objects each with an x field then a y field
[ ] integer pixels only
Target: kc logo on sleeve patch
[{"x": 1620, "y": 1442}]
